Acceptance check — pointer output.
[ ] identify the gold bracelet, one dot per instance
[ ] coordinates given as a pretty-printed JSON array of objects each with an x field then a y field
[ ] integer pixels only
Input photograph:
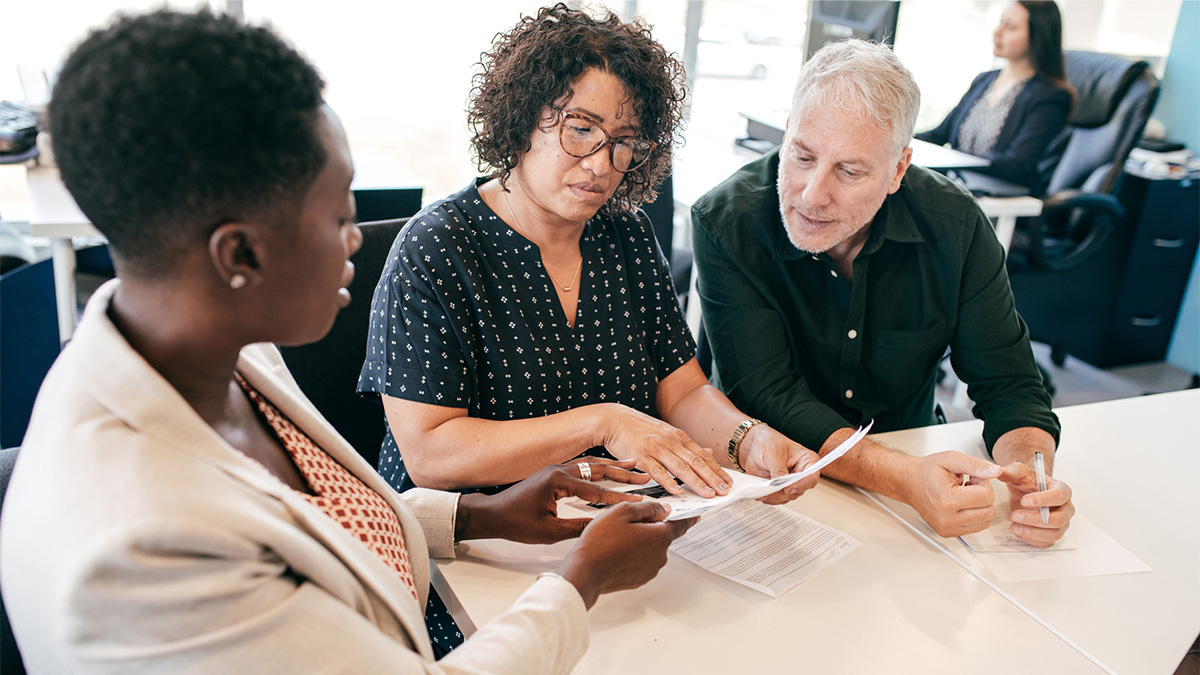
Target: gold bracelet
[{"x": 735, "y": 442}]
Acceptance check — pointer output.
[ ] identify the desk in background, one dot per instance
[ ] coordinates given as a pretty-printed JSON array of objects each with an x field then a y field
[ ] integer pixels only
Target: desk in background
[
  {"x": 384, "y": 190},
  {"x": 764, "y": 130},
  {"x": 896, "y": 604},
  {"x": 55, "y": 216}
]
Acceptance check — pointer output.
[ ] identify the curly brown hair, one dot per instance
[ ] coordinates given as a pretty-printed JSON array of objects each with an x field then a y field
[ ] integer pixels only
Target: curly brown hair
[{"x": 530, "y": 69}]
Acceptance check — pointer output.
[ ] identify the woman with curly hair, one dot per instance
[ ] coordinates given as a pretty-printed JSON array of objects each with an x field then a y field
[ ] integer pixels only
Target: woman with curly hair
[
  {"x": 530, "y": 318},
  {"x": 205, "y": 518}
]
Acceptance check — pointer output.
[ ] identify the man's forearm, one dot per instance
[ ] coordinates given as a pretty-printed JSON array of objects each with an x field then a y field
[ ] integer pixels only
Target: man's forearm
[{"x": 871, "y": 466}]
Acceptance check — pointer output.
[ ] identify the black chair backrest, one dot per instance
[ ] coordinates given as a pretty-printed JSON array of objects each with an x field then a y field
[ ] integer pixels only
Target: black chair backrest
[
  {"x": 10, "y": 658},
  {"x": 28, "y": 343},
  {"x": 327, "y": 371},
  {"x": 1116, "y": 97},
  {"x": 661, "y": 213}
]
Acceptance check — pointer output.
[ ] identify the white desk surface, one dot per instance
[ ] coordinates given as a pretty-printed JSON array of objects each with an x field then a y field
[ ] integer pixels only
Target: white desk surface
[
  {"x": 942, "y": 158},
  {"x": 53, "y": 212},
  {"x": 896, "y": 604},
  {"x": 999, "y": 207},
  {"x": 1133, "y": 468}
]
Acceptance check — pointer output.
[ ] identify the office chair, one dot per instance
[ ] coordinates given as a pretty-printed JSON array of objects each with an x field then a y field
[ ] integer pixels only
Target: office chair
[
  {"x": 10, "y": 657},
  {"x": 14, "y": 250},
  {"x": 1116, "y": 96},
  {"x": 28, "y": 343},
  {"x": 327, "y": 370},
  {"x": 1059, "y": 260}
]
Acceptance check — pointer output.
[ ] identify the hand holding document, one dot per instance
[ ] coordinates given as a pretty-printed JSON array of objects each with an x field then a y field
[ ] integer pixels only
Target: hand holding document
[{"x": 691, "y": 505}]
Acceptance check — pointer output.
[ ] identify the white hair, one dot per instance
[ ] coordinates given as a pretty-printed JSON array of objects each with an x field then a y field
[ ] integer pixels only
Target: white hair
[{"x": 866, "y": 79}]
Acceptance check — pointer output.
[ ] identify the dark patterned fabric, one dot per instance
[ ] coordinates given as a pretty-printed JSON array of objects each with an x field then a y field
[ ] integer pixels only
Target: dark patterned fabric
[{"x": 466, "y": 316}]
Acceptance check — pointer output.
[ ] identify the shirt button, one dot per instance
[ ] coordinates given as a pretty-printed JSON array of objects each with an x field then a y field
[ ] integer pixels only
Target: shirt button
[
  {"x": 833, "y": 273},
  {"x": 852, "y": 334},
  {"x": 849, "y": 393}
]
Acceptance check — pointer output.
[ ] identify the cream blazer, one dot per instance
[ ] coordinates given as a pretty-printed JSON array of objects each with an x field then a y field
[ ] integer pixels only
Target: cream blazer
[{"x": 134, "y": 539}]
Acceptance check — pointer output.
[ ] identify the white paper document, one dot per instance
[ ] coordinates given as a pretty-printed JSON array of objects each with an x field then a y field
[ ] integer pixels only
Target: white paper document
[
  {"x": 689, "y": 504},
  {"x": 767, "y": 548},
  {"x": 1084, "y": 551},
  {"x": 1094, "y": 554}
]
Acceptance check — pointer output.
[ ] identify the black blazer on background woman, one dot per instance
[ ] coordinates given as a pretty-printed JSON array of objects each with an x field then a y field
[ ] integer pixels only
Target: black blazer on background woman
[{"x": 1037, "y": 115}]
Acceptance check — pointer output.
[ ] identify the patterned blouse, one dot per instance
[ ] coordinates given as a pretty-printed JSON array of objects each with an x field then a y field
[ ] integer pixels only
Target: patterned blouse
[
  {"x": 466, "y": 316},
  {"x": 341, "y": 495},
  {"x": 983, "y": 123}
]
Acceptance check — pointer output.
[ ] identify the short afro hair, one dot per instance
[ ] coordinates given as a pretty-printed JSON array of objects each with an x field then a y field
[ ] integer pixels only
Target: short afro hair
[
  {"x": 166, "y": 125},
  {"x": 532, "y": 66}
]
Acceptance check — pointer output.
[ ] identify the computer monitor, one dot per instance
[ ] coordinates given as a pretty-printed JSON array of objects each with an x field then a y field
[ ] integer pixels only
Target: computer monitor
[{"x": 833, "y": 20}]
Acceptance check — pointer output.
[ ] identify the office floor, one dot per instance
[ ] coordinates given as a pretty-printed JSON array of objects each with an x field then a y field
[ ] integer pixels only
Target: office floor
[{"x": 1078, "y": 382}]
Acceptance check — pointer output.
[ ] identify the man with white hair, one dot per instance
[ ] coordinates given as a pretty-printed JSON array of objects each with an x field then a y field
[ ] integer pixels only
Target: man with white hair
[{"x": 834, "y": 275}]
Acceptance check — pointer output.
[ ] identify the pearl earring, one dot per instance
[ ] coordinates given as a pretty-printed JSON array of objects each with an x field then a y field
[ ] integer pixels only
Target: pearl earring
[{"x": 237, "y": 281}]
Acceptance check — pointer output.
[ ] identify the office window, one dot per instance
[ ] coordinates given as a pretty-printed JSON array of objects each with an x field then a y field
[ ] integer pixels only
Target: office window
[{"x": 399, "y": 73}]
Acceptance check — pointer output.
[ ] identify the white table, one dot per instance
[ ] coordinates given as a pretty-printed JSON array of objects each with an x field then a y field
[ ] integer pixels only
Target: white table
[
  {"x": 55, "y": 215},
  {"x": 1133, "y": 467},
  {"x": 898, "y": 605},
  {"x": 941, "y": 158}
]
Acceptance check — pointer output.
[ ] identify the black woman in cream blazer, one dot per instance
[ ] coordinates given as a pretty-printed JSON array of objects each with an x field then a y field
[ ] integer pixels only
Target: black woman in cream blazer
[{"x": 176, "y": 553}]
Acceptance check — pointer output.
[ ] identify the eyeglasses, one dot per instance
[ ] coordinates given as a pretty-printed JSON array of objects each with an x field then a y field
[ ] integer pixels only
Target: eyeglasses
[{"x": 582, "y": 137}]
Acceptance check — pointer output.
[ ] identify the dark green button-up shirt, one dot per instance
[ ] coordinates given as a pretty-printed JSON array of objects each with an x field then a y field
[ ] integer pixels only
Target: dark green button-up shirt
[{"x": 809, "y": 353}]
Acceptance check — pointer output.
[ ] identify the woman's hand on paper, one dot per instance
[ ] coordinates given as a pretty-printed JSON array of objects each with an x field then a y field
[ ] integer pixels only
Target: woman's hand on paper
[{"x": 663, "y": 451}]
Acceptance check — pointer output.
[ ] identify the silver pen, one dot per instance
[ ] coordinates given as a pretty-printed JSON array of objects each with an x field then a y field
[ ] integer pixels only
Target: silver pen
[{"x": 1039, "y": 467}]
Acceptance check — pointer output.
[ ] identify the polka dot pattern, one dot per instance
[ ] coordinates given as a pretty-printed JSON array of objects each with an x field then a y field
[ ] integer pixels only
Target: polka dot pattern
[{"x": 466, "y": 316}]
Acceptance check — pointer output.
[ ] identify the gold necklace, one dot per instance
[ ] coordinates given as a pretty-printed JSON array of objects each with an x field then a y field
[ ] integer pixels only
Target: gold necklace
[{"x": 517, "y": 225}]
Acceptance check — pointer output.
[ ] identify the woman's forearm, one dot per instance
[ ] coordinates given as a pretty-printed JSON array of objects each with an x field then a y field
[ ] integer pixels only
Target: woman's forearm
[
  {"x": 445, "y": 449},
  {"x": 708, "y": 417}
]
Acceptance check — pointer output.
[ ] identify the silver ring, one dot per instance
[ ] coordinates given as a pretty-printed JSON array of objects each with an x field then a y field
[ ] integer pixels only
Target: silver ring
[{"x": 585, "y": 471}]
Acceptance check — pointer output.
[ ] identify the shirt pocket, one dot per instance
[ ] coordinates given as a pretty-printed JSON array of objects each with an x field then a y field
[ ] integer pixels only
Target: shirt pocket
[
  {"x": 901, "y": 361},
  {"x": 908, "y": 339}
]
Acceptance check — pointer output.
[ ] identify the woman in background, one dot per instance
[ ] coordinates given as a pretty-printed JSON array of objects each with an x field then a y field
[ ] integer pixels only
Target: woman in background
[
  {"x": 530, "y": 318},
  {"x": 1011, "y": 115},
  {"x": 179, "y": 506}
]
